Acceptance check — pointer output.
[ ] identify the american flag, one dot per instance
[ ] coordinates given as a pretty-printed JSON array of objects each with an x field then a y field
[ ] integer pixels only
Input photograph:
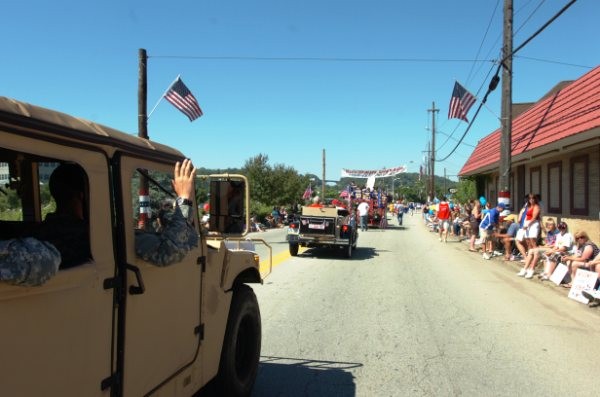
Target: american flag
[
  {"x": 307, "y": 193},
  {"x": 181, "y": 97},
  {"x": 460, "y": 103}
]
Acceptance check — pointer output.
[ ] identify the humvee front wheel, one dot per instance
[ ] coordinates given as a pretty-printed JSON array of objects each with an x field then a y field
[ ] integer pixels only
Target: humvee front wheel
[
  {"x": 241, "y": 346},
  {"x": 294, "y": 249}
]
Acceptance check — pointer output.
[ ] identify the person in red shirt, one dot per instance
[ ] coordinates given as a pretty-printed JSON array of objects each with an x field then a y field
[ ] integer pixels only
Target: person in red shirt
[
  {"x": 316, "y": 202},
  {"x": 444, "y": 218}
]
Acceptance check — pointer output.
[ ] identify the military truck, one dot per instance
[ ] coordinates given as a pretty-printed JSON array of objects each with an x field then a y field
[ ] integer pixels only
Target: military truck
[
  {"x": 117, "y": 325},
  {"x": 326, "y": 226}
]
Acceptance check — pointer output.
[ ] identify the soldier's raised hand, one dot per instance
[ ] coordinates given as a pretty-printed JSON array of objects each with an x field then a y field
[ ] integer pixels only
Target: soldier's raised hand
[{"x": 183, "y": 182}]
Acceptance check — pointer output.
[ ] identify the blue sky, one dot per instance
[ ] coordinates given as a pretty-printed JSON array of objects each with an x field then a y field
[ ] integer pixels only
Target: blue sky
[{"x": 81, "y": 58}]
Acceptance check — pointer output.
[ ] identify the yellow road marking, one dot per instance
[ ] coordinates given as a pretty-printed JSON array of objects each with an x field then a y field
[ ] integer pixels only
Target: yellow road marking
[{"x": 277, "y": 260}]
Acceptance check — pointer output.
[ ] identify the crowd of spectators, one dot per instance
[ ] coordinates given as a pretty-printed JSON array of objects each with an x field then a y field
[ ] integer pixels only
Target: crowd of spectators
[{"x": 538, "y": 243}]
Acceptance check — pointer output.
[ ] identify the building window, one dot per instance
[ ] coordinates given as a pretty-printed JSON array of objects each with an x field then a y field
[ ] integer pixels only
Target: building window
[
  {"x": 535, "y": 180},
  {"x": 579, "y": 186},
  {"x": 554, "y": 199}
]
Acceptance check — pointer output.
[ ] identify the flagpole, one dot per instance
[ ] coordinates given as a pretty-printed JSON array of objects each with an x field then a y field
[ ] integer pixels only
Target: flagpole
[{"x": 163, "y": 95}]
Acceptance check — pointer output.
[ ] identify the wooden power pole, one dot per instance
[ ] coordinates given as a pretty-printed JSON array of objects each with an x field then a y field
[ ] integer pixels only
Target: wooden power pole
[
  {"x": 144, "y": 199},
  {"x": 143, "y": 94},
  {"x": 323, "y": 182},
  {"x": 433, "y": 110},
  {"x": 506, "y": 109}
]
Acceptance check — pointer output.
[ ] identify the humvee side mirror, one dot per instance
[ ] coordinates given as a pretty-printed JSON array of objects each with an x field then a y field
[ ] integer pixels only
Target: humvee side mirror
[{"x": 228, "y": 204}]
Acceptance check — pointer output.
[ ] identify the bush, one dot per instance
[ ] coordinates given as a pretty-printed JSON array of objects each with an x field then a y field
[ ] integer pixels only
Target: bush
[{"x": 260, "y": 210}]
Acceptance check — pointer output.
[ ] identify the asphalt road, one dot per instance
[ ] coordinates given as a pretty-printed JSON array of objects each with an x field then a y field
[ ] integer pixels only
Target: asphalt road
[{"x": 410, "y": 316}]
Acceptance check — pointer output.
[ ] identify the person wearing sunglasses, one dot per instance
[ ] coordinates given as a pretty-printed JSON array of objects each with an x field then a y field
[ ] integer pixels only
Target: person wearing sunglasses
[{"x": 588, "y": 251}]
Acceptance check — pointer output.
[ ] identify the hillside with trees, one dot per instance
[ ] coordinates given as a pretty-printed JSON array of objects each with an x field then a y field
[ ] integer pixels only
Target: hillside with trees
[{"x": 281, "y": 185}]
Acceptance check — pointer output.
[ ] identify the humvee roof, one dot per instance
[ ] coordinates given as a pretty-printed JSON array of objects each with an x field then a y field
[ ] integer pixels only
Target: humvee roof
[{"x": 61, "y": 125}]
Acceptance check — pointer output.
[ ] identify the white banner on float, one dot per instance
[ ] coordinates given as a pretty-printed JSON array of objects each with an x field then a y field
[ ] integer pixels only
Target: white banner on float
[{"x": 373, "y": 173}]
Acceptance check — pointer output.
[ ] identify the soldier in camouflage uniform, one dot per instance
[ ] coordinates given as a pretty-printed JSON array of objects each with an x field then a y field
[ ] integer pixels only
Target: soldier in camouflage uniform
[
  {"x": 62, "y": 240},
  {"x": 29, "y": 261},
  {"x": 178, "y": 234}
]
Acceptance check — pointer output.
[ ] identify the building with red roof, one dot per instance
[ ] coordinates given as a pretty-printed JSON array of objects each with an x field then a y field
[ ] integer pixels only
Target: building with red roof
[{"x": 555, "y": 152}]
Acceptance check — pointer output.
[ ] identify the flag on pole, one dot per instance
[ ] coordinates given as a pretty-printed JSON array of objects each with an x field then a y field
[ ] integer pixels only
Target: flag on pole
[
  {"x": 307, "y": 193},
  {"x": 460, "y": 103},
  {"x": 182, "y": 98}
]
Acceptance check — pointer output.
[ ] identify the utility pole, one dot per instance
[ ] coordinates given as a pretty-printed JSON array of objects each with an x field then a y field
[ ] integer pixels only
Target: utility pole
[
  {"x": 506, "y": 117},
  {"x": 323, "y": 181},
  {"x": 142, "y": 94},
  {"x": 143, "y": 220},
  {"x": 433, "y": 110}
]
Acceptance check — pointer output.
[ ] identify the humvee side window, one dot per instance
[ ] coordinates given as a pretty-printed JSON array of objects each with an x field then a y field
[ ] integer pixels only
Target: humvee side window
[
  {"x": 10, "y": 203},
  {"x": 24, "y": 192},
  {"x": 27, "y": 208}
]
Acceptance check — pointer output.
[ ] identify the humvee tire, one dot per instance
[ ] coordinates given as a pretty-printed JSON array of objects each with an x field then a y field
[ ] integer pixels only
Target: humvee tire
[
  {"x": 294, "y": 249},
  {"x": 241, "y": 347}
]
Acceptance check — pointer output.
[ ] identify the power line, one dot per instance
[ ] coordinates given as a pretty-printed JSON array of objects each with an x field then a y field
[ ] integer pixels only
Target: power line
[
  {"x": 317, "y": 59},
  {"x": 541, "y": 29},
  {"x": 454, "y": 139},
  {"x": 494, "y": 82},
  {"x": 555, "y": 62},
  {"x": 529, "y": 17},
  {"x": 482, "y": 41}
]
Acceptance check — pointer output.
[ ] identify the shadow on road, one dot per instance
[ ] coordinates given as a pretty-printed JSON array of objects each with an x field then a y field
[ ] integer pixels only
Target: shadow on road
[
  {"x": 359, "y": 254},
  {"x": 280, "y": 376}
]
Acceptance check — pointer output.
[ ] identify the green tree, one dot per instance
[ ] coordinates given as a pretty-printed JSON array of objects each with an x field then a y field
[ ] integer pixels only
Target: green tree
[
  {"x": 258, "y": 172},
  {"x": 465, "y": 191},
  {"x": 279, "y": 185}
]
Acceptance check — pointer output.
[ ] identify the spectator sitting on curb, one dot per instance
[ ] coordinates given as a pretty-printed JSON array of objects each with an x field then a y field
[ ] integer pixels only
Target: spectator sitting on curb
[
  {"x": 593, "y": 294},
  {"x": 588, "y": 251},
  {"x": 562, "y": 246},
  {"x": 533, "y": 255},
  {"x": 507, "y": 238}
]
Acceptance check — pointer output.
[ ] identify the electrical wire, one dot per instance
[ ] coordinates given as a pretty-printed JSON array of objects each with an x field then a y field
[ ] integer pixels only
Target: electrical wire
[
  {"x": 555, "y": 62},
  {"x": 529, "y": 17},
  {"x": 318, "y": 59},
  {"x": 468, "y": 80},
  {"x": 496, "y": 78}
]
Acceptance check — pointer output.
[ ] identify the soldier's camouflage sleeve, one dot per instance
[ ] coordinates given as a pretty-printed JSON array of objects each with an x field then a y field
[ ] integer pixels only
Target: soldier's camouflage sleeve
[
  {"x": 27, "y": 261},
  {"x": 173, "y": 243}
]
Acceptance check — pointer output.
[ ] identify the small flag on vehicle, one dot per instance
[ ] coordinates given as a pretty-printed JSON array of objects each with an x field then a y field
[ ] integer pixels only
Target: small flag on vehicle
[
  {"x": 307, "y": 193},
  {"x": 183, "y": 99}
]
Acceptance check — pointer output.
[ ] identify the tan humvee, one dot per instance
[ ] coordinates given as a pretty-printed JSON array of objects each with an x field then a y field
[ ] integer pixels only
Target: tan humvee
[
  {"x": 117, "y": 325},
  {"x": 326, "y": 226}
]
